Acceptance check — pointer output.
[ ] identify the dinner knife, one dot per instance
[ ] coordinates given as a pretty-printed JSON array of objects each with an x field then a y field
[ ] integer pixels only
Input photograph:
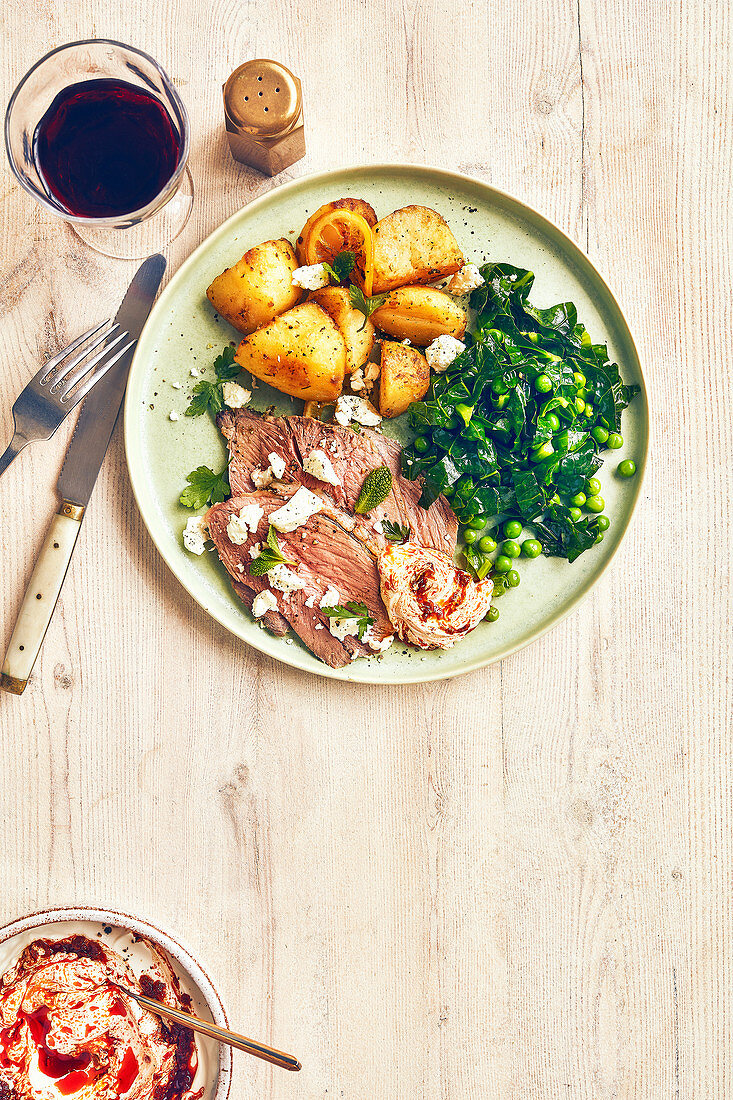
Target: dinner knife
[{"x": 83, "y": 461}]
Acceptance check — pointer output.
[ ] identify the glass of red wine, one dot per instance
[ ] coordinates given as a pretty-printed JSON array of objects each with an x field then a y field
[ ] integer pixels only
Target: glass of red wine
[{"x": 97, "y": 133}]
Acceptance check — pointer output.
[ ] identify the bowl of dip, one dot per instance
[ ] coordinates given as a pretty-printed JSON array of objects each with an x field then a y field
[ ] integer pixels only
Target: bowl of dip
[{"x": 67, "y": 1030}]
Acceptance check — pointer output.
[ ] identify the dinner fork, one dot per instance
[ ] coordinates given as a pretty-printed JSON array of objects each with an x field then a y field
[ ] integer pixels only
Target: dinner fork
[{"x": 61, "y": 384}]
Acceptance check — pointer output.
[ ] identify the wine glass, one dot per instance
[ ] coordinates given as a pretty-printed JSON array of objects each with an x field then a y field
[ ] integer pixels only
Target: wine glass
[{"x": 128, "y": 234}]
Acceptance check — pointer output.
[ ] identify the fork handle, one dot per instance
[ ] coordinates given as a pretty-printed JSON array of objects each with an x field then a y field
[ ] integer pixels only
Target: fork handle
[
  {"x": 16, "y": 445},
  {"x": 40, "y": 598}
]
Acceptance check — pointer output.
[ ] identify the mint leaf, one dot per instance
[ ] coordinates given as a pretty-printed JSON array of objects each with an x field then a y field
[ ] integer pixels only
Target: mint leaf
[
  {"x": 270, "y": 556},
  {"x": 204, "y": 487},
  {"x": 375, "y": 490},
  {"x": 343, "y": 265}
]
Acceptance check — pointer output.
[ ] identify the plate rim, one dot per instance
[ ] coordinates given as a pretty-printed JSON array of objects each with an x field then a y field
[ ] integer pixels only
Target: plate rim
[
  {"x": 267, "y": 645},
  {"x": 183, "y": 955}
]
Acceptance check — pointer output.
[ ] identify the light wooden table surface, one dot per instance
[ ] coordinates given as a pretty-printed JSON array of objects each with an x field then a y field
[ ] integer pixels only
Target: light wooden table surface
[{"x": 515, "y": 884}]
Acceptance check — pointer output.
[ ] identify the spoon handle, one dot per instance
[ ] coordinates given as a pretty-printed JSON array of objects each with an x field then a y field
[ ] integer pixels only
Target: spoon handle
[{"x": 259, "y": 1050}]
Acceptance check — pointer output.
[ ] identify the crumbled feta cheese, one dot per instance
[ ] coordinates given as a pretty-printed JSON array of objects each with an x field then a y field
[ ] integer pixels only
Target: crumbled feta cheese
[
  {"x": 343, "y": 628},
  {"x": 277, "y": 465},
  {"x": 261, "y": 479},
  {"x": 379, "y": 645},
  {"x": 236, "y": 396},
  {"x": 255, "y": 550},
  {"x": 173, "y": 415},
  {"x": 378, "y": 527},
  {"x": 301, "y": 506},
  {"x": 310, "y": 277},
  {"x": 319, "y": 626},
  {"x": 319, "y": 465},
  {"x": 465, "y": 280},
  {"x": 195, "y": 373},
  {"x": 264, "y": 602},
  {"x": 406, "y": 341},
  {"x": 195, "y": 534},
  {"x": 311, "y": 601},
  {"x": 331, "y": 597},
  {"x": 443, "y": 350},
  {"x": 176, "y": 386},
  {"x": 284, "y": 579},
  {"x": 240, "y": 566},
  {"x": 350, "y": 407},
  {"x": 241, "y": 526}
]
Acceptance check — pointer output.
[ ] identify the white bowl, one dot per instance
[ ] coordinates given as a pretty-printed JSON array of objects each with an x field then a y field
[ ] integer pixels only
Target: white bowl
[{"x": 118, "y": 931}]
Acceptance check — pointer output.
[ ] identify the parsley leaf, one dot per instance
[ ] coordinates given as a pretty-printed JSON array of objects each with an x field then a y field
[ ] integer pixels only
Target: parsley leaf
[
  {"x": 343, "y": 265},
  {"x": 395, "y": 532},
  {"x": 270, "y": 556},
  {"x": 209, "y": 396},
  {"x": 204, "y": 487},
  {"x": 351, "y": 610},
  {"x": 365, "y": 305}
]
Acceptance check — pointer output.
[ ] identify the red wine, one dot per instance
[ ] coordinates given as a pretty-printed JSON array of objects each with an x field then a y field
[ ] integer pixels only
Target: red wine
[{"x": 105, "y": 148}]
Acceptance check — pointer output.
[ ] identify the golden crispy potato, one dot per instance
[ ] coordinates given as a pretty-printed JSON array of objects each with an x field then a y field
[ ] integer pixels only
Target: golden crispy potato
[
  {"x": 358, "y": 334},
  {"x": 258, "y": 288},
  {"x": 405, "y": 378},
  {"x": 420, "y": 314},
  {"x": 301, "y": 353},
  {"x": 304, "y": 246},
  {"x": 413, "y": 245}
]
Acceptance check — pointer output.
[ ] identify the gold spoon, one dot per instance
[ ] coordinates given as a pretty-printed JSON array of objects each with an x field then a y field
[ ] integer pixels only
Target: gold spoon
[{"x": 249, "y": 1046}]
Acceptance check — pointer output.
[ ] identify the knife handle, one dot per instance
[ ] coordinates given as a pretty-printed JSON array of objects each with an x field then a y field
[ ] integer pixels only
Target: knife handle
[{"x": 40, "y": 597}]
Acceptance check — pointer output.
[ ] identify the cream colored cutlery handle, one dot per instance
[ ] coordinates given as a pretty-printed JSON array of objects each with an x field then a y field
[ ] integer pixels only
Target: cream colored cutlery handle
[{"x": 40, "y": 598}]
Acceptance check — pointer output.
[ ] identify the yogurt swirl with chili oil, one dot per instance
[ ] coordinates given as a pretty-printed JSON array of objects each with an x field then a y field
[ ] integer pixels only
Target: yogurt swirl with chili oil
[
  {"x": 430, "y": 601},
  {"x": 66, "y": 1030}
]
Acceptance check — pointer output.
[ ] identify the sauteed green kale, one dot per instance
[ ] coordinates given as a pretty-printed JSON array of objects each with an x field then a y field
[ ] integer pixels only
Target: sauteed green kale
[{"x": 516, "y": 426}]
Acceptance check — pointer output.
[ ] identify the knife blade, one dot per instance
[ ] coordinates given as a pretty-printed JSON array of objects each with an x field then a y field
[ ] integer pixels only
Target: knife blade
[
  {"x": 99, "y": 412},
  {"x": 83, "y": 461}
]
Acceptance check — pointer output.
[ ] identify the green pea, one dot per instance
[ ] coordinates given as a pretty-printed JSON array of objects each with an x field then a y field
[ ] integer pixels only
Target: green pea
[
  {"x": 531, "y": 548},
  {"x": 589, "y": 411},
  {"x": 477, "y": 523},
  {"x": 603, "y": 523},
  {"x": 487, "y": 545},
  {"x": 502, "y": 564},
  {"x": 578, "y": 500},
  {"x": 470, "y": 536},
  {"x": 493, "y": 614},
  {"x": 512, "y": 578},
  {"x": 615, "y": 441},
  {"x": 595, "y": 504},
  {"x": 627, "y": 468},
  {"x": 542, "y": 383},
  {"x": 582, "y": 392},
  {"x": 575, "y": 514},
  {"x": 579, "y": 404},
  {"x": 579, "y": 378},
  {"x": 512, "y": 529},
  {"x": 421, "y": 444},
  {"x": 543, "y": 452},
  {"x": 499, "y": 386},
  {"x": 553, "y": 422},
  {"x": 511, "y": 548},
  {"x": 599, "y": 433},
  {"x": 599, "y": 538},
  {"x": 593, "y": 487}
]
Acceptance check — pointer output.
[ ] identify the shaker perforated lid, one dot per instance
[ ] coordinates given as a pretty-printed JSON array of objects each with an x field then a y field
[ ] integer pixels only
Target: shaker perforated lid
[{"x": 263, "y": 98}]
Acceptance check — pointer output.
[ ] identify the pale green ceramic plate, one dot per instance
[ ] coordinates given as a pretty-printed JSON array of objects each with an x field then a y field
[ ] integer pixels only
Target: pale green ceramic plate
[{"x": 183, "y": 333}]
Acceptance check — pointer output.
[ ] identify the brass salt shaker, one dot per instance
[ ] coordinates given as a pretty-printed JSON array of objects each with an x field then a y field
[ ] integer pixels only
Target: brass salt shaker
[{"x": 264, "y": 116}]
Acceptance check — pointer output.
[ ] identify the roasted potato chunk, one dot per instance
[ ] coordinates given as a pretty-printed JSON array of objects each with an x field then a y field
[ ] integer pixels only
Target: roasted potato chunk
[
  {"x": 258, "y": 288},
  {"x": 359, "y": 206},
  {"x": 413, "y": 245},
  {"x": 420, "y": 314},
  {"x": 405, "y": 378},
  {"x": 301, "y": 352},
  {"x": 358, "y": 335}
]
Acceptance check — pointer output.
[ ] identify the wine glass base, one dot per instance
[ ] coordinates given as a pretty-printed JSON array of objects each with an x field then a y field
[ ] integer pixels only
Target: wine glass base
[{"x": 152, "y": 235}]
